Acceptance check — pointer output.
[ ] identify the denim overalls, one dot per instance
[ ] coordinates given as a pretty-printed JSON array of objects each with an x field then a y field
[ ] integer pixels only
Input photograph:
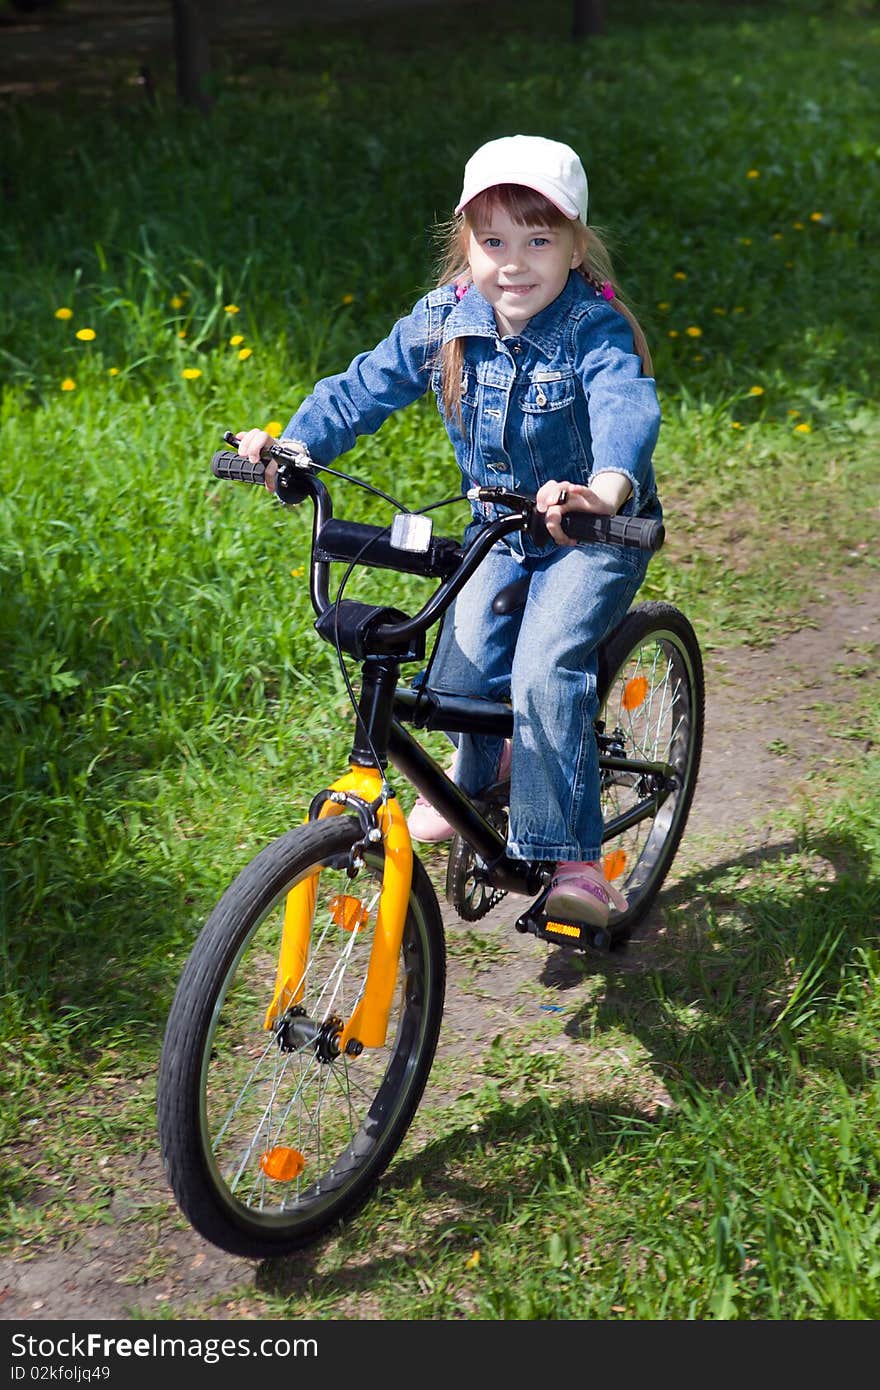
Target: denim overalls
[{"x": 564, "y": 399}]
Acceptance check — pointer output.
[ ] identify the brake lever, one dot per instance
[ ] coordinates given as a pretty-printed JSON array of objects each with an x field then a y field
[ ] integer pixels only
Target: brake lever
[
  {"x": 500, "y": 496},
  {"x": 284, "y": 451}
]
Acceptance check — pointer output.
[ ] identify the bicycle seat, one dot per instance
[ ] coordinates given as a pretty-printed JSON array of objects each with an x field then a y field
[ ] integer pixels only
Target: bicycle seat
[{"x": 512, "y": 596}]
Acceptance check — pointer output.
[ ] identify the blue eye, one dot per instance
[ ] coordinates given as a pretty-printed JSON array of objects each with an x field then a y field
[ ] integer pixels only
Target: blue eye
[
  {"x": 493, "y": 241},
  {"x": 540, "y": 241}
]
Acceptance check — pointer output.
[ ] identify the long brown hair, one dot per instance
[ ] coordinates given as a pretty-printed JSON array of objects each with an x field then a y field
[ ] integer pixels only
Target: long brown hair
[{"x": 526, "y": 208}]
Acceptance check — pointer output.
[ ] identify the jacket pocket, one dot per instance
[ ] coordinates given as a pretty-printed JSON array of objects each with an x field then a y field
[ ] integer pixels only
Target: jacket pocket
[{"x": 547, "y": 391}]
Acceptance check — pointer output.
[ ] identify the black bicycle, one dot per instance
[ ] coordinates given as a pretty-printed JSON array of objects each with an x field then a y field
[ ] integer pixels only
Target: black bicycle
[{"x": 306, "y": 1018}]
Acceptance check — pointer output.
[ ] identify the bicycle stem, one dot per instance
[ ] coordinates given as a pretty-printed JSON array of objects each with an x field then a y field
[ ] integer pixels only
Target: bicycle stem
[{"x": 295, "y": 482}]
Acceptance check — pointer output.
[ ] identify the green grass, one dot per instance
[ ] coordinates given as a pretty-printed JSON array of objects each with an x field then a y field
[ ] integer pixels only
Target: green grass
[{"x": 166, "y": 707}]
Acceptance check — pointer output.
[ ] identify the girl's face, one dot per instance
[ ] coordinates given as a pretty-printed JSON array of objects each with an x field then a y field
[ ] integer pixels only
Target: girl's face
[{"x": 520, "y": 270}]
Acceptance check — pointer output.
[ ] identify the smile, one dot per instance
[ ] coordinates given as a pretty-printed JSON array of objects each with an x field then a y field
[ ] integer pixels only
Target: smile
[{"x": 516, "y": 289}]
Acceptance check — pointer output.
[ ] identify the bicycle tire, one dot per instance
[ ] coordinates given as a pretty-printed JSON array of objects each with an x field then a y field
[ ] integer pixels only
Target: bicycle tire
[
  {"x": 227, "y": 1089},
  {"x": 651, "y": 697}
]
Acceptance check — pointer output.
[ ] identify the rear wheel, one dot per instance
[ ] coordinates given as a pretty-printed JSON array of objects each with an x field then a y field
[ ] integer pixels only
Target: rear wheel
[
  {"x": 271, "y": 1137},
  {"x": 651, "y": 698}
]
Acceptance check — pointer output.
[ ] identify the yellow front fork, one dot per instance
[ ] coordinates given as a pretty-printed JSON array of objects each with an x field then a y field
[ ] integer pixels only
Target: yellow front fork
[{"x": 368, "y": 1023}]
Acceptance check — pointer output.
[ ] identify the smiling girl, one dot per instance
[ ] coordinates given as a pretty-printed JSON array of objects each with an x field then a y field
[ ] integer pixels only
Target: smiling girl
[{"x": 543, "y": 380}]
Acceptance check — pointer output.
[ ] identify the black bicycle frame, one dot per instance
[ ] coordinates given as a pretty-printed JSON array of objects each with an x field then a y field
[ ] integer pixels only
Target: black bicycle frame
[
  {"x": 382, "y": 710},
  {"x": 383, "y": 707}
]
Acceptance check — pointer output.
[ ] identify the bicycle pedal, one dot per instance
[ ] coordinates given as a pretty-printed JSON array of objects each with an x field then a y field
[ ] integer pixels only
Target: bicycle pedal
[{"x": 579, "y": 936}]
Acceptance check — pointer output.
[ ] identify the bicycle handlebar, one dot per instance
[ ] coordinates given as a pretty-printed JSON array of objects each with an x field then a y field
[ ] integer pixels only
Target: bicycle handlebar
[
  {"x": 236, "y": 469},
  {"x": 634, "y": 532},
  {"x": 444, "y": 558}
]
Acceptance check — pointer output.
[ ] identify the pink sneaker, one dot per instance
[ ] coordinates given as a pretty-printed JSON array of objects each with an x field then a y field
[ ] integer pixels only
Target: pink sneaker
[
  {"x": 506, "y": 759},
  {"x": 581, "y": 892},
  {"x": 426, "y": 823}
]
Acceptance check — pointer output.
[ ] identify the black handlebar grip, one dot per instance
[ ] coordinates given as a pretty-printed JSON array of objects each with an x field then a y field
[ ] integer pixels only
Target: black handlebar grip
[
  {"x": 639, "y": 533},
  {"x": 237, "y": 470}
]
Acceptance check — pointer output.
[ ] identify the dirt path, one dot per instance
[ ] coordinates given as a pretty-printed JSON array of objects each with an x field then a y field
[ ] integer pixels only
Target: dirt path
[{"x": 768, "y": 735}]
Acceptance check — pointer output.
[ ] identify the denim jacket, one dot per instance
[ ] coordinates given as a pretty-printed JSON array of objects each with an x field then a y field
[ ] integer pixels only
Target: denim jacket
[{"x": 565, "y": 398}]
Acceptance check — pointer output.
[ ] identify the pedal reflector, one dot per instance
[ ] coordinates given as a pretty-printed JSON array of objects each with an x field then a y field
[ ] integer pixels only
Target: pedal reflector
[
  {"x": 566, "y": 929},
  {"x": 580, "y": 935},
  {"x": 281, "y": 1164}
]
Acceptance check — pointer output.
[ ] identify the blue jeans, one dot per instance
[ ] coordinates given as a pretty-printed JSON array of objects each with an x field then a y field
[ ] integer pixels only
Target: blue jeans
[{"x": 543, "y": 659}]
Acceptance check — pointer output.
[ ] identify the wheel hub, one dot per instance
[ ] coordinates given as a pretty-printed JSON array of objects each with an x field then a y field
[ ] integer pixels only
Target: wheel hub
[{"x": 295, "y": 1032}]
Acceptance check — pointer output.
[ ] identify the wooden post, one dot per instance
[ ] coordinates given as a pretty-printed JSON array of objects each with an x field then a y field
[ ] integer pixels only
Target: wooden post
[
  {"x": 192, "y": 52},
  {"x": 587, "y": 19}
]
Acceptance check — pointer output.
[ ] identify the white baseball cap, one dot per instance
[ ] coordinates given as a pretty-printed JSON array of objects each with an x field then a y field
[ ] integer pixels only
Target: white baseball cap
[{"x": 546, "y": 166}]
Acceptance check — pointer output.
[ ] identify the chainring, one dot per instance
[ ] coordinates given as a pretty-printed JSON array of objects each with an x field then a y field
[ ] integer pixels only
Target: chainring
[{"x": 467, "y": 888}]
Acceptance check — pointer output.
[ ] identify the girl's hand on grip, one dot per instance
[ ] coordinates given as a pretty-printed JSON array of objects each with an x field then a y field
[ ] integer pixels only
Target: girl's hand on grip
[
  {"x": 253, "y": 444},
  {"x": 553, "y": 499}
]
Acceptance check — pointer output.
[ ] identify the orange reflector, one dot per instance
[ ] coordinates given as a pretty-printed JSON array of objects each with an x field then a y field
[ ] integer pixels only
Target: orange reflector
[
  {"x": 282, "y": 1164},
  {"x": 348, "y": 913},
  {"x": 563, "y": 929},
  {"x": 614, "y": 864},
  {"x": 634, "y": 692}
]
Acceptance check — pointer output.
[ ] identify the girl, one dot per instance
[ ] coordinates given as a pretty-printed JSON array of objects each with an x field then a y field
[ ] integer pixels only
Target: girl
[{"x": 543, "y": 380}]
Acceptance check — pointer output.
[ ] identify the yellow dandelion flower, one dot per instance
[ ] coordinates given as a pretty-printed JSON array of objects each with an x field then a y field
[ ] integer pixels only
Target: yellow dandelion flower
[
  {"x": 273, "y": 427},
  {"x": 756, "y": 390},
  {"x": 231, "y": 309},
  {"x": 86, "y": 335},
  {"x": 182, "y": 333},
  {"x": 244, "y": 354},
  {"x": 191, "y": 373},
  {"x": 64, "y": 312},
  {"x": 753, "y": 174},
  {"x": 816, "y": 216},
  {"x": 735, "y": 425},
  {"x": 803, "y": 428},
  {"x": 698, "y": 357},
  {"x": 68, "y": 384},
  {"x": 673, "y": 333},
  {"x": 718, "y": 310},
  {"x": 679, "y": 275},
  {"x": 777, "y": 236},
  {"x": 176, "y": 302},
  {"x": 113, "y": 371},
  {"x": 347, "y": 299},
  {"x": 745, "y": 241},
  {"x": 693, "y": 331},
  {"x": 793, "y": 413},
  {"x": 473, "y": 1261},
  {"x": 236, "y": 340},
  {"x": 740, "y": 309},
  {"x": 298, "y": 572},
  {"x": 798, "y": 226},
  {"x": 663, "y": 305}
]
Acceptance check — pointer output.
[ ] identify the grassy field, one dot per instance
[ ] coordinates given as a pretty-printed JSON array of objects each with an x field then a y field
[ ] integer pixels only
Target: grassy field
[{"x": 166, "y": 708}]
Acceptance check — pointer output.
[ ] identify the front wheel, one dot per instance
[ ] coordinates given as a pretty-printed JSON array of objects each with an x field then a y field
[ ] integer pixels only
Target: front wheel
[
  {"x": 651, "y": 698},
  {"x": 272, "y": 1137}
]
